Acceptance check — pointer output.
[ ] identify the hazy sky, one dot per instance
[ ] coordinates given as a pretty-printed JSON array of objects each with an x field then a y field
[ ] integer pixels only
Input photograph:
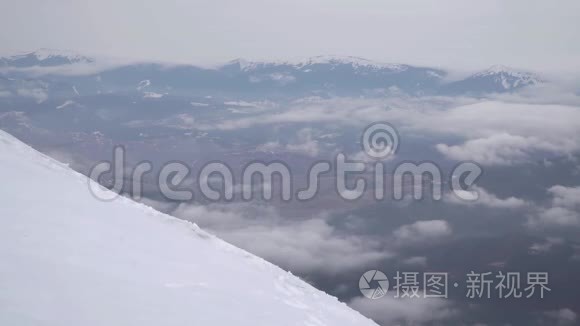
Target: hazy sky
[{"x": 461, "y": 33}]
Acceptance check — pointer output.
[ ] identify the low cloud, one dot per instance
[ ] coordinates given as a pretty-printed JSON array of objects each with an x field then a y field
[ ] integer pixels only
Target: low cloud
[
  {"x": 563, "y": 212},
  {"x": 422, "y": 232},
  {"x": 484, "y": 129},
  {"x": 75, "y": 69},
  {"x": 546, "y": 246},
  {"x": 301, "y": 245},
  {"x": 416, "y": 311},
  {"x": 416, "y": 261},
  {"x": 564, "y": 316},
  {"x": 555, "y": 216},
  {"x": 303, "y": 144},
  {"x": 568, "y": 197},
  {"x": 503, "y": 149},
  {"x": 485, "y": 199},
  {"x": 38, "y": 94}
]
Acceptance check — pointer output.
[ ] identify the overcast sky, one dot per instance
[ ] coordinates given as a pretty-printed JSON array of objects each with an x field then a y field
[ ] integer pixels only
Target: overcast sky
[{"x": 460, "y": 33}]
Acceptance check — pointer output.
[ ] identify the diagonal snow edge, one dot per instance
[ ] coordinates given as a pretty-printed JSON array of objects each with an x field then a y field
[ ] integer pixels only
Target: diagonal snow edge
[{"x": 70, "y": 259}]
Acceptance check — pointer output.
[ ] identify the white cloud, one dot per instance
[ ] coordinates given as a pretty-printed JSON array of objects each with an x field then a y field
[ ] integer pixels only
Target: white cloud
[
  {"x": 280, "y": 78},
  {"x": 564, "y": 210},
  {"x": 416, "y": 311},
  {"x": 555, "y": 216},
  {"x": 152, "y": 95},
  {"x": 303, "y": 144},
  {"x": 68, "y": 103},
  {"x": 182, "y": 121},
  {"x": 301, "y": 245},
  {"x": 422, "y": 232},
  {"x": 494, "y": 138},
  {"x": 270, "y": 146},
  {"x": 75, "y": 69},
  {"x": 501, "y": 149},
  {"x": 546, "y": 246},
  {"x": 564, "y": 316},
  {"x": 484, "y": 129},
  {"x": 416, "y": 261},
  {"x": 485, "y": 199},
  {"x": 566, "y": 196},
  {"x": 38, "y": 94}
]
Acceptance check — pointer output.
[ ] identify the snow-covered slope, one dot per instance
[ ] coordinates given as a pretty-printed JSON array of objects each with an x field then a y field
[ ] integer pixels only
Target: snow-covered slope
[
  {"x": 70, "y": 259},
  {"x": 496, "y": 79},
  {"x": 331, "y": 60},
  {"x": 44, "y": 58},
  {"x": 508, "y": 78}
]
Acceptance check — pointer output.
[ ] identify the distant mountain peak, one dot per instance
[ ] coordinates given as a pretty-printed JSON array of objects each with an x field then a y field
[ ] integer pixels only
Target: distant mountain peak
[
  {"x": 45, "y": 53},
  {"x": 355, "y": 62},
  {"x": 507, "y": 77},
  {"x": 45, "y": 57},
  {"x": 499, "y": 69}
]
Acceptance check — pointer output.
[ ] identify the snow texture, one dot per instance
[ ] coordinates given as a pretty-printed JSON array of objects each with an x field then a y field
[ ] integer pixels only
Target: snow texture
[
  {"x": 509, "y": 78},
  {"x": 70, "y": 259},
  {"x": 355, "y": 62}
]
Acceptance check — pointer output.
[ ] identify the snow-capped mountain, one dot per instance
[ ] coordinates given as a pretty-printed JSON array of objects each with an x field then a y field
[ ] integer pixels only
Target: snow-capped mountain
[
  {"x": 71, "y": 259},
  {"x": 496, "y": 79},
  {"x": 509, "y": 78},
  {"x": 332, "y": 60},
  {"x": 315, "y": 76},
  {"x": 44, "y": 58}
]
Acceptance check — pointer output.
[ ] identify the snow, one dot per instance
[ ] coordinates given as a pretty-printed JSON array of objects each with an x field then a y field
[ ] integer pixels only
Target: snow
[
  {"x": 152, "y": 95},
  {"x": 44, "y": 53},
  {"x": 65, "y": 104},
  {"x": 302, "y": 63},
  {"x": 355, "y": 61},
  {"x": 143, "y": 84},
  {"x": 70, "y": 259},
  {"x": 240, "y": 103},
  {"x": 435, "y": 74},
  {"x": 508, "y": 77}
]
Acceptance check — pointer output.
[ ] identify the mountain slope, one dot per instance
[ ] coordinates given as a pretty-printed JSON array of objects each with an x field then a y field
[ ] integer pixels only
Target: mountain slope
[
  {"x": 496, "y": 79},
  {"x": 318, "y": 76},
  {"x": 44, "y": 58},
  {"x": 70, "y": 259}
]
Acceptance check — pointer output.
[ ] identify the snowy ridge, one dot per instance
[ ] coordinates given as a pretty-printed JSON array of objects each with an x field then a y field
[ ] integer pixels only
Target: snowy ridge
[
  {"x": 43, "y": 54},
  {"x": 355, "y": 62},
  {"x": 508, "y": 77},
  {"x": 49, "y": 55},
  {"x": 70, "y": 259}
]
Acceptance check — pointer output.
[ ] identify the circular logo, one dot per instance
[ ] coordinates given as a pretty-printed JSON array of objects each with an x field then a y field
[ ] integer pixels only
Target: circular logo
[
  {"x": 374, "y": 284},
  {"x": 380, "y": 140}
]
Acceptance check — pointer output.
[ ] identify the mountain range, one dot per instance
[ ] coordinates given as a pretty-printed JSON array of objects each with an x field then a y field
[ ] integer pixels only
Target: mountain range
[{"x": 59, "y": 73}]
